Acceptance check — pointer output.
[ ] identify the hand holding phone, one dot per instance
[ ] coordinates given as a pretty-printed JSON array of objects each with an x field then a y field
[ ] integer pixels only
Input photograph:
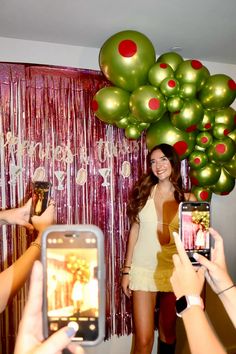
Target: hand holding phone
[
  {"x": 74, "y": 289},
  {"x": 194, "y": 224}
]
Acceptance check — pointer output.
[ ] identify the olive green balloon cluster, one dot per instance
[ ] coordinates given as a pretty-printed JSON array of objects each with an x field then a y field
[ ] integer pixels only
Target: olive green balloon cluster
[{"x": 175, "y": 101}]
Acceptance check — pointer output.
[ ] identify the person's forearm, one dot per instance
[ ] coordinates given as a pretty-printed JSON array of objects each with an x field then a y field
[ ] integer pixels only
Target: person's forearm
[
  {"x": 228, "y": 298},
  {"x": 201, "y": 337},
  {"x": 15, "y": 276},
  {"x": 3, "y": 217}
]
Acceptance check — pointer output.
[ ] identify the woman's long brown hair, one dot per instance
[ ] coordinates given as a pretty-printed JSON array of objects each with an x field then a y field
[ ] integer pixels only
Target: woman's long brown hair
[{"x": 142, "y": 188}]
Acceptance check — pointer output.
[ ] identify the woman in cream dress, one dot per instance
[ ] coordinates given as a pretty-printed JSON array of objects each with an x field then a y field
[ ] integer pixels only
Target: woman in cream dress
[{"x": 148, "y": 266}]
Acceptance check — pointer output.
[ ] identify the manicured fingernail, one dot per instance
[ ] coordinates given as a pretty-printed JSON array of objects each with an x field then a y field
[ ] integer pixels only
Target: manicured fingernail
[
  {"x": 195, "y": 256},
  {"x": 70, "y": 332}
]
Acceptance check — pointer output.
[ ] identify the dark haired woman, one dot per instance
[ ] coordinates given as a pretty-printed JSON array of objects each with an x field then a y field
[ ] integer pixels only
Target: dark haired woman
[{"x": 148, "y": 266}]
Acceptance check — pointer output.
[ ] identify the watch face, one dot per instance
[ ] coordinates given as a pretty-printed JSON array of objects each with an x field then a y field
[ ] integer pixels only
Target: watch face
[{"x": 181, "y": 305}]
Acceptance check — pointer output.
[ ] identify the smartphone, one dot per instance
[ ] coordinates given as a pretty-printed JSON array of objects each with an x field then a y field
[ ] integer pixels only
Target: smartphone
[
  {"x": 74, "y": 281},
  {"x": 41, "y": 191},
  {"x": 194, "y": 223}
]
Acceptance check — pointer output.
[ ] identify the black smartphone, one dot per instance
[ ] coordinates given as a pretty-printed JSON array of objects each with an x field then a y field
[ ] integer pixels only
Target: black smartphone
[
  {"x": 194, "y": 223},
  {"x": 41, "y": 191},
  {"x": 74, "y": 281}
]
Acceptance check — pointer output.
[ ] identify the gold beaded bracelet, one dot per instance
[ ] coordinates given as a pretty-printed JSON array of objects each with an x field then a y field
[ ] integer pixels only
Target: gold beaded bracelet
[{"x": 36, "y": 244}]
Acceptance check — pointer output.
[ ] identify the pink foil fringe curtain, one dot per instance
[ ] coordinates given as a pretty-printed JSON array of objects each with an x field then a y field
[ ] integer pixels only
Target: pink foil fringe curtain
[{"x": 48, "y": 129}]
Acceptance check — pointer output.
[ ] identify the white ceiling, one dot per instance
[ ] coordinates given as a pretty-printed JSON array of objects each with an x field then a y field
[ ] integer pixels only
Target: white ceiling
[{"x": 205, "y": 29}]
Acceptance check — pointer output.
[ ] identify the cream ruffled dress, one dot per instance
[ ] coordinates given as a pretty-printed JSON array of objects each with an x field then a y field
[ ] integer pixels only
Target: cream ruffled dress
[{"x": 152, "y": 264}]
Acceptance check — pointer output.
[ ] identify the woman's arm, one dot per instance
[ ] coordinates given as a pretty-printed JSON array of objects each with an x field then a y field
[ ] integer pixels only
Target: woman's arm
[
  {"x": 186, "y": 281},
  {"x": 133, "y": 236},
  {"x": 218, "y": 277},
  {"x": 15, "y": 276},
  {"x": 17, "y": 216}
]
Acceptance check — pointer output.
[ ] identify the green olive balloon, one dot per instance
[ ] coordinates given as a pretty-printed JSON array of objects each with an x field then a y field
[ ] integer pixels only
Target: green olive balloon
[
  {"x": 132, "y": 132},
  {"x": 192, "y": 72},
  {"x": 164, "y": 132},
  {"x": 142, "y": 126},
  {"x": 122, "y": 123},
  {"x": 169, "y": 87},
  {"x": 232, "y": 135},
  {"x": 125, "y": 59},
  {"x": 110, "y": 104},
  {"x": 197, "y": 159},
  {"x": 203, "y": 194},
  {"x": 147, "y": 104},
  {"x": 225, "y": 183},
  {"x": 188, "y": 90},
  {"x": 158, "y": 72},
  {"x": 220, "y": 131},
  {"x": 207, "y": 121},
  {"x": 199, "y": 148},
  {"x": 218, "y": 92},
  {"x": 204, "y": 139},
  {"x": 188, "y": 117},
  {"x": 205, "y": 176},
  {"x": 226, "y": 116},
  {"x": 171, "y": 58},
  {"x": 230, "y": 166},
  {"x": 174, "y": 104},
  {"x": 221, "y": 151}
]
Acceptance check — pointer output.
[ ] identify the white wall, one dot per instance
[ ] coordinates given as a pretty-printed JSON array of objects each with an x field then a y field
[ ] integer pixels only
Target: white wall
[{"x": 223, "y": 207}]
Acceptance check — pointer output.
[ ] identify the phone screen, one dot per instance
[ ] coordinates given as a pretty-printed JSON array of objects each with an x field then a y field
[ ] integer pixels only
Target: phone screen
[
  {"x": 194, "y": 228},
  {"x": 74, "y": 283},
  {"x": 40, "y": 197}
]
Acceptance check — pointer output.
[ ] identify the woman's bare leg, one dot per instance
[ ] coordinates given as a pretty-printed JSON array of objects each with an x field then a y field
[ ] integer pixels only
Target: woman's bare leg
[
  {"x": 167, "y": 317},
  {"x": 143, "y": 314}
]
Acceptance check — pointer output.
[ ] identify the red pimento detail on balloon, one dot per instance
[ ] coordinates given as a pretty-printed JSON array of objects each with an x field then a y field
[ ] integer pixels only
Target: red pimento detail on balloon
[
  {"x": 196, "y": 64},
  {"x": 204, "y": 195},
  {"x": 94, "y": 105},
  {"x": 163, "y": 65},
  {"x": 154, "y": 104},
  {"x": 220, "y": 148},
  {"x": 197, "y": 160},
  {"x": 207, "y": 126},
  {"x": 171, "y": 83},
  {"x": 232, "y": 84},
  {"x": 224, "y": 193},
  {"x": 177, "y": 112},
  {"x": 194, "y": 181},
  {"x": 127, "y": 48},
  {"x": 180, "y": 147},
  {"x": 226, "y": 132},
  {"x": 204, "y": 140},
  {"x": 192, "y": 128}
]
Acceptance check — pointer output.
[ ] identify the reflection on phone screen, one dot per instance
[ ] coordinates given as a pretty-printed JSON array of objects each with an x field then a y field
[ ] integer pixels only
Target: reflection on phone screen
[{"x": 72, "y": 283}]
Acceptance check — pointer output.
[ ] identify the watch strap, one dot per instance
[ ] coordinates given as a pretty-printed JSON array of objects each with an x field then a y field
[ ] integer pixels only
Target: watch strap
[{"x": 185, "y": 302}]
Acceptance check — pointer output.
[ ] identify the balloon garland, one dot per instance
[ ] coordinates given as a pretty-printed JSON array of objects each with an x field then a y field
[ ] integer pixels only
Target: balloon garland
[{"x": 175, "y": 101}]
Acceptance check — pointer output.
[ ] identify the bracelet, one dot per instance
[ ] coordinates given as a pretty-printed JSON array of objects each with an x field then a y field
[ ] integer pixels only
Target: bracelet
[
  {"x": 125, "y": 273},
  {"x": 36, "y": 244},
  {"x": 124, "y": 267},
  {"x": 222, "y": 291}
]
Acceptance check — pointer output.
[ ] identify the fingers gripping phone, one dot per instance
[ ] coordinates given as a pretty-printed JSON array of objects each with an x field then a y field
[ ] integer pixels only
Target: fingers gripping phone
[
  {"x": 40, "y": 197},
  {"x": 73, "y": 287},
  {"x": 194, "y": 221}
]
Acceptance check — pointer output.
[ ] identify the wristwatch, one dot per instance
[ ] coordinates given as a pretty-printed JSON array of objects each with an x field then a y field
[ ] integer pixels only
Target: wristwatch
[{"x": 184, "y": 302}]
